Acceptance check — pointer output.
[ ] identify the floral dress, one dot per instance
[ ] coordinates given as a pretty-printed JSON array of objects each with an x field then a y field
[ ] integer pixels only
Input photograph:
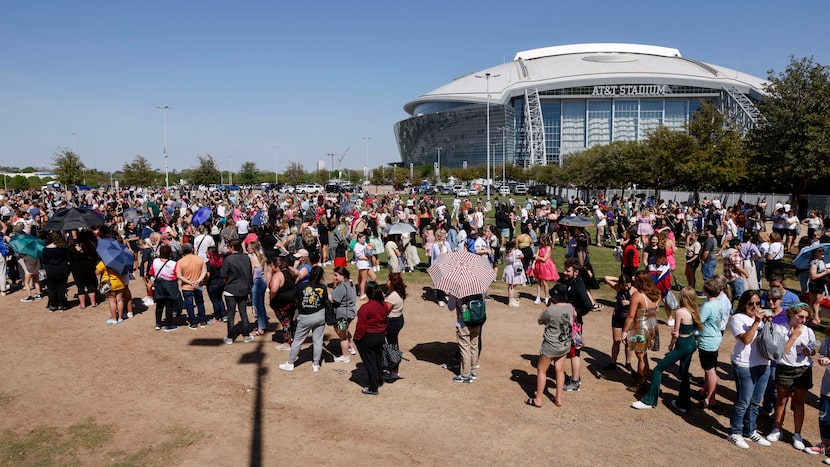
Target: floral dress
[{"x": 514, "y": 273}]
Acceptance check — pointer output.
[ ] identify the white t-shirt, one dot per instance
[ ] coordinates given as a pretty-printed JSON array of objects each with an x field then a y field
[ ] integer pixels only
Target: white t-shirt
[
  {"x": 746, "y": 355},
  {"x": 796, "y": 357},
  {"x": 360, "y": 250}
]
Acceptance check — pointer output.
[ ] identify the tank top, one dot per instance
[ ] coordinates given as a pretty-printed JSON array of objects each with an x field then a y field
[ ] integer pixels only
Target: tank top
[
  {"x": 285, "y": 295},
  {"x": 686, "y": 329}
]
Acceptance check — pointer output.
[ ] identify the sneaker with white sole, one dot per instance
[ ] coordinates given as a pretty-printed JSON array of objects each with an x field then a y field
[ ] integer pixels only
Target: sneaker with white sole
[
  {"x": 798, "y": 442},
  {"x": 537, "y": 301},
  {"x": 315, "y": 368},
  {"x": 227, "y": 340},
  {"x": 352, "y": 351},
  {"x": 639, "y": 405},
  {"x": 774, "y": 435},
  {"x": 814, "y": 450},
  {"x": 441, "y": 304},
  {"x": 248, "y": 339},
  {"x": 342, "y": 359},
  {"x": 738, "y": 440},
  {"x": 670, "y": 322},
  {"x": 756, "y": 438},
  {"x": 573, "y": 386},
  {"x": 286, "y": 366}
]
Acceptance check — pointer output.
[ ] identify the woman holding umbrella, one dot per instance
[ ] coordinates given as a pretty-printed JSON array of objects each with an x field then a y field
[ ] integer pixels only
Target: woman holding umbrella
[
  {"x": 56, "y": 264},
  {"x": 82, "y": 261},
  {"x": 115, "y": 294}
]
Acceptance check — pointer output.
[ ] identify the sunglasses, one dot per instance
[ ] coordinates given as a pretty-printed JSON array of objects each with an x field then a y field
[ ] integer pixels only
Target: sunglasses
[
  {"x": 753, "y": 303},
  {"x": 802, "y": 317}
]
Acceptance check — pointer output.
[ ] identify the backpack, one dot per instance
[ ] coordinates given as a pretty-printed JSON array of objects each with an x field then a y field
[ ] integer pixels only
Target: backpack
[
  {"x": 474, "y": 313},
  {"x": 770, "y": 343}
]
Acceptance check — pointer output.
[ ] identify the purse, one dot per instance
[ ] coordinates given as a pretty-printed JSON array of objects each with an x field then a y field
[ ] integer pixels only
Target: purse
[
  {"x": 104, "y": 287},
  {"x": 391, "y": 355}
]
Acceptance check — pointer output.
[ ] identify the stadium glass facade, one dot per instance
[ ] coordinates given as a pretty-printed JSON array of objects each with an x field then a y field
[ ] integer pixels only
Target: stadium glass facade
[{"x": 576, "y": 113}]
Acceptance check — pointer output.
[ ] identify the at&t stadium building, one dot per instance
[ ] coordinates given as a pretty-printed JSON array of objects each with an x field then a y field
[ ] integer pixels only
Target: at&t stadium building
[{"x": 551, "y": 102}]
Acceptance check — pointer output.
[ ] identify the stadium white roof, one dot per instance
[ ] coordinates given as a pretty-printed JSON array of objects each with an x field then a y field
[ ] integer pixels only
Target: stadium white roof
[{"x": 577, "y": 65}]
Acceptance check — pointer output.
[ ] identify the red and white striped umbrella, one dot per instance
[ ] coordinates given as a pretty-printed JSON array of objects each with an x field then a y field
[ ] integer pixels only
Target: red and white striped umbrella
[{"x": 461, "y": 274}]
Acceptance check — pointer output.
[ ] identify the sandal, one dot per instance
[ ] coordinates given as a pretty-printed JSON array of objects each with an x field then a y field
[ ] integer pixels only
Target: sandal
[
  {"x": 258, "y": 332},
  {"x": 532, "y": 403}
]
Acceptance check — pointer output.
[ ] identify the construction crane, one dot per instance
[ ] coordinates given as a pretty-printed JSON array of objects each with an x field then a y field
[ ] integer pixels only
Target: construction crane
[{"x": 340, "y": 160}]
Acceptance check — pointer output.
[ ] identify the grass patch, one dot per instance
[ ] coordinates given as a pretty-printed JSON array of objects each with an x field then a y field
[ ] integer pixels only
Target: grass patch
[
  {"x": 160, "y": 453},
  {"x": 44, "y": 446}
]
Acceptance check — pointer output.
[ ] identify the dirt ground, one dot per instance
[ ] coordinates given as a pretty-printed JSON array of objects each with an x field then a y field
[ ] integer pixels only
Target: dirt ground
[{"x": 236, "y": 407}]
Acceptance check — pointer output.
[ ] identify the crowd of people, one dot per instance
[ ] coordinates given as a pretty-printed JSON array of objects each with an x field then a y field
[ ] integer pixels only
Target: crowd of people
[{"x": 259, "y": 250}]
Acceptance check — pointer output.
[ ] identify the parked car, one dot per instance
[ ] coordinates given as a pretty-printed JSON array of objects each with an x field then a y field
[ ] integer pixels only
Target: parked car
[
  {"x": 521, "y": 189},
  {"x": 446, "y": 190},
  {"x": 462, "y": 192},
  {"x": 457, "y": 188},
  {"x": 538, "y": 190},
  {"x": 472, "y": 191},
  {"x": 504, "y": 190},
  {"x": 287, "y": 189}
]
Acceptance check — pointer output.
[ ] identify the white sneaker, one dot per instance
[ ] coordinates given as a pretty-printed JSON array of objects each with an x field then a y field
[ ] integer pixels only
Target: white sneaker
[
  {"x": 798, "y": 442},
  {"x": 342, "y": 359},
  {"x": 774, "y": 435},
  {"x": 352, "y": 351},
  {"x": 738, "y": 440},
  {"x": 515, "y": 303},
  {"x": 315, "y": 368},
  {"x": 441, "y": 304},
  {"x": 670, "y": 322},
  {"x": 537, "y": 301},
  {"x": 286, "y": 366},
  {"x": 641, "y": 405},
  {"x": 758, "y": 439}
]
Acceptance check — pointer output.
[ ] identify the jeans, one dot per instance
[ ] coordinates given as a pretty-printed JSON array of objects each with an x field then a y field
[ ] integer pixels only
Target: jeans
[
  {"x": 708, "y": 269},
  {"x": 683, "y": 350},
  {"x": 824, "y": 418},
  {"x": 189, "y": 297},
  {"x": 3, "y": 285},
  {"x": 738, "y": 287},
  {"x": 392, "y": 331},
  {"x": 215, "y": 295},
  {"x": 258, "y": 300},
  {"x": 234, "y": 304},
  {"x": 750, "y": 383}
]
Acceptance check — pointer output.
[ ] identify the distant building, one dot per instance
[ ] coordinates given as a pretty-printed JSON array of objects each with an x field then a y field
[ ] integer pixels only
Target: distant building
[
  {"x": 551, "y": 102},
  {"x": 321, "y": 165}
]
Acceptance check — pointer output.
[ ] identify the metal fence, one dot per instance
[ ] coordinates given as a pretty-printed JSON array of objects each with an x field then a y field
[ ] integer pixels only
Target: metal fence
[{"x": 803, "y": 208}]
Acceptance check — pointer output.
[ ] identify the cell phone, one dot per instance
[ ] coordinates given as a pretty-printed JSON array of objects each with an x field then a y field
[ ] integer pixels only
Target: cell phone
[{"x": 767, "y": 312}]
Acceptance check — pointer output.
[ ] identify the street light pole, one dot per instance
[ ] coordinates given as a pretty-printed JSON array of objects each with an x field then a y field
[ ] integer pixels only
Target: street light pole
[
  {"x": 503, "y": 147},
  {"x": 366, "y": 167},
  {"x": 276, "y": 166},
  {"x": 438, "y": 175},
  {"x": 487, "y": 77},
  {"x": 164, "y": 109}
]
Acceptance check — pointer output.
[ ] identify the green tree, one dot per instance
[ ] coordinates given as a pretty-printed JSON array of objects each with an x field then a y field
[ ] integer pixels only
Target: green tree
[
  {"x": 248, "y": 174},
  {"x": 19, "y": 182},
  {"x": 712, "y": 155},
  {"x": 35, "y": 182},
  {"x": 792, "y": 143},
  {"x": 205, "y": 172},
  {"x": 294, "y": 174},
  {"x": 139, "y": 172},
  {"x": 68, "y": 167},
  {"x": 321, "y": 177}
]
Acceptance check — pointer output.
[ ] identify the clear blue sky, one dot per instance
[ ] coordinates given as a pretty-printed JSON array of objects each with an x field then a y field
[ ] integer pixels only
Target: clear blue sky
[{"x": 315, "y": 77}]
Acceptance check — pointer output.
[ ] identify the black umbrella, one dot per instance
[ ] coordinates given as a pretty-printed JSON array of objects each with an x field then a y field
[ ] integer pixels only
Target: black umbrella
[{"x": 73, "y": 219}]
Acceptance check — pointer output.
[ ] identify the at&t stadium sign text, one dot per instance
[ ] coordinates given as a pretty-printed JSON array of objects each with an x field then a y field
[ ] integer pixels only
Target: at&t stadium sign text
[{"x": 632, "y": 90}]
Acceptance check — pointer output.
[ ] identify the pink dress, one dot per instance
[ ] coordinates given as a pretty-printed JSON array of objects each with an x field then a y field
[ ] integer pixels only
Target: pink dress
[
  {"x": 545, "y": 270},
  {"x": 645, "y": 225}
]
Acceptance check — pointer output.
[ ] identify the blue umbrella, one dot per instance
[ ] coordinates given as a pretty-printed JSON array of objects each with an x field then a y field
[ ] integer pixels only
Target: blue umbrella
[
  {"x": 802, "y": 261},
  {"x": 28, "y": 245},
  {"x": 115, "y": 255},
  {"x": 201, "y": 216}
]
